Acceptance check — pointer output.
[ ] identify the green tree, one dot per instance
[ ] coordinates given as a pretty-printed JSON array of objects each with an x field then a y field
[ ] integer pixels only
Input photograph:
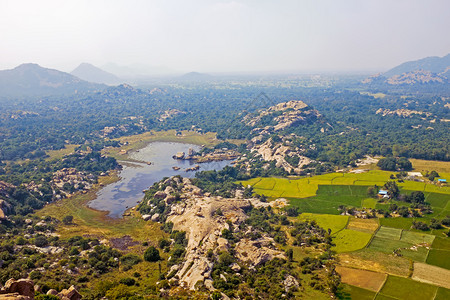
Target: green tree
[
  {"x": 151, "y": 254},
  {"x": 392, "y": 189},
  {"x": 67, "y": 219}
]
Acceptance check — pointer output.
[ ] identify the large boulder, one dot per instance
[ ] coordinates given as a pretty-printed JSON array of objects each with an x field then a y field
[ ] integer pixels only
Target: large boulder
[
  {"x": 69, "y": 294},
  {"x": 160, "y": 195},
  {"x": 24, "y": 287}
]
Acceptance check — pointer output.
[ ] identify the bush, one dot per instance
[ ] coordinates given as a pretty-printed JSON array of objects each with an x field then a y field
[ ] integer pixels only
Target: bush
[
  {"x": 128, "y": 281},
  {"x": 40, "y": 241},
  {"x": 67, "y": 219},
  {"x": 151, "y": 254}
]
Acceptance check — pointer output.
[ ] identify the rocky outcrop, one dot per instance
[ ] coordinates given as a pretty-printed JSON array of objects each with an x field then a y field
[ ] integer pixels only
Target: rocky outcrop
[
  {"x": 197, "y": 215},
  {"x": 18, "y": 289},
  {"x": 270, "y": 151},
  {"x": 69, "y": 294},
  {"x": 24, "y": 289}
]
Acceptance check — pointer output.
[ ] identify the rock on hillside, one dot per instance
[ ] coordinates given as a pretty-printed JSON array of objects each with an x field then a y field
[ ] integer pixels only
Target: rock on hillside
[
  {"x": 281, "y": 116},
  {"x": 196, "y": 215}
]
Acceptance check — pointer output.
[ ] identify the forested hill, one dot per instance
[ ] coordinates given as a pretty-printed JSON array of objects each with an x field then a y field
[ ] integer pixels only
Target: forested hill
[
  {"x": 359, "y": 124},
  {"x": 32, "y": 80},
  {"x": 433, "y": 64}
]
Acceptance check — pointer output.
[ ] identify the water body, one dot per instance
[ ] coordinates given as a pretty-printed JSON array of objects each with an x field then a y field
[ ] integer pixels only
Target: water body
[{"x": 136, "y": 177}]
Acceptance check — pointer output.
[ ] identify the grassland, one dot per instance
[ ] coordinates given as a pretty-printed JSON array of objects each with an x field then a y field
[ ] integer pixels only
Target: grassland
[
  {"x": 58, "y": 154},
  {"x": 405, "y": 288}
]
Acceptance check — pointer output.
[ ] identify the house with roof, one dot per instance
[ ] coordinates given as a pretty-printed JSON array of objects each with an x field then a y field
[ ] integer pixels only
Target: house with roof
[
  {"x": 442, "y": 181},
  {"x": 383, "y": 194}
]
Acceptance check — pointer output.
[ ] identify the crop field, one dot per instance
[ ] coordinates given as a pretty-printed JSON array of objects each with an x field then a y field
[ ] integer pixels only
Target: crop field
[
  {"x": 400, "y": 223},
  {"x": 420, "y": 165},
  {"x": 348, "y": 240},
  {"x": 361, "y": 278},
  {"x": 405, "y": 288},
  {"x": 389, "y": 233},
  {"x": 416, "y": 237},
  {"x": 348, "y": 292},
  {"x": 389, "y": 239},
  {"x": 431, "y": 274},
  {"x": 439, "y": 257},
  {"x": 376, "y": 261},
  {"x": 364, "y": 225},
  {"x": 369, "y": 203},
  {"x": 442, "y": 294},
  {"x": 333, "y": 222}
]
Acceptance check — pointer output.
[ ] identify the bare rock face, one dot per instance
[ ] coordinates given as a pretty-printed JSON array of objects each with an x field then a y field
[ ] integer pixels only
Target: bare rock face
[
  {"x": 14, "y": 296},
  {"x": 70, "y": 294},
  {"x": 23, "y": 287},
  {"x": 197, "y": 216}
]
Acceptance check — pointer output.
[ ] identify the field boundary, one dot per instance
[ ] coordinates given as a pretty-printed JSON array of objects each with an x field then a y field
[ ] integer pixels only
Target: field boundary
[{"x": 373, "y": 236}]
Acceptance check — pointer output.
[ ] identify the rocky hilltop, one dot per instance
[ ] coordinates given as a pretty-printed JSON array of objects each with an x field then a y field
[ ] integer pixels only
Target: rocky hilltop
[
  {"x": 206, "y": 219},
  {"x": 282, "y": 119}
]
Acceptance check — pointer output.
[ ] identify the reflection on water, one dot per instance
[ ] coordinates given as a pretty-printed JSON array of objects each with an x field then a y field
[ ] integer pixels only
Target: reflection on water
[{"x": 136, "y": 177}]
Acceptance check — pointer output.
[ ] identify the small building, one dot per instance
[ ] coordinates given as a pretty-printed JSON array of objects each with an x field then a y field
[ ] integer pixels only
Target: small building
[
  {"x": 442, "y": 181},
  {"x": 383, "y": 193}
]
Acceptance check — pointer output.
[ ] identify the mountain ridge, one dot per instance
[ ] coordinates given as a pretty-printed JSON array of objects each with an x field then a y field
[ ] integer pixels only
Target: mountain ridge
[
  {"x": 31, "y": 79},
  {"x": 91, "y": 73}
]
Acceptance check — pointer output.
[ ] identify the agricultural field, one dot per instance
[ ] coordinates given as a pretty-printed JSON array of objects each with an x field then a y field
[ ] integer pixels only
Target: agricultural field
[
  {"x": 440, "y": 253},
  {"x": 368, "y": 259},
  {"x": 333, "y": 222},
  {"x": 364, "y": 225},
  {"x": 431, "y": 274},
  {"x": 411, "y": 245},
  {"x": 348, "y": 292},
  {"x": 405, "y": 288},
  {"x": 348, "y": 240},
  {"x": 366, "y": 247},
  {"x": 361, "y": 278},
  {"x": 420, "y": 165}
]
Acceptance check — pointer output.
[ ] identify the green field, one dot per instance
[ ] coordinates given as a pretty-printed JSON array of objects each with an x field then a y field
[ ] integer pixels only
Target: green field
[
  {"x": 440, "y": 258},
  {"x": 389, "y": 239},
  {"x": 400, "y": 223},
  {"x": 353, "y": 292},
  {"x": 442, "y": 294},
  {"x": 389, "y": 233},
  {"x": 405, "y": 288},
  {"x": 333, "y": 222},
  {"x": 348, "y": 240},
  {"x": 416, "y": 237}
]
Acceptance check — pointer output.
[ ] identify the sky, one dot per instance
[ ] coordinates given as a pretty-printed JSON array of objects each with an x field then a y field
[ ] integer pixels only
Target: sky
[{"x": 224, "y": 36}]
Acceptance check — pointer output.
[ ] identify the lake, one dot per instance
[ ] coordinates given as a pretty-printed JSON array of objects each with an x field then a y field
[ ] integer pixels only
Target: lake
[{"x": 136, "y": 177}]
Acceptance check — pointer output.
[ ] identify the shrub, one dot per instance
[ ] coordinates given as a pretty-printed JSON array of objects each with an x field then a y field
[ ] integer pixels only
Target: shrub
[{"x": 151, "y": 254}]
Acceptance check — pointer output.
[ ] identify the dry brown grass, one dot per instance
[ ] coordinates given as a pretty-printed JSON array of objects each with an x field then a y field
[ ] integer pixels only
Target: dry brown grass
[
  {"x": 361, "y": 278},
  {"x": 431, "y": 274},
  {"x": 58, "y": 154},
  {"x": 367, "y": 259},
  {"x": 364, "y": 225},
  {"x": 420, "y": 165}
]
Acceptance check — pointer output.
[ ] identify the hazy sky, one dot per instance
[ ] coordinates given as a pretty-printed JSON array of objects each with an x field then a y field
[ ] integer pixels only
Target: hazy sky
[{"x": 222, "y": 35}]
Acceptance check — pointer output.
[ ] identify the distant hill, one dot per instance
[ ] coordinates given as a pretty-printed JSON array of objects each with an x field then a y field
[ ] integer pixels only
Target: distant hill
[
  {"x": 427, "y": 74},
  {"x": 94, "y": 74},
  {"x": 196, "y": 76},
  {"x": 432, "y": 64},
  {"x": 34, "y": 80}
]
